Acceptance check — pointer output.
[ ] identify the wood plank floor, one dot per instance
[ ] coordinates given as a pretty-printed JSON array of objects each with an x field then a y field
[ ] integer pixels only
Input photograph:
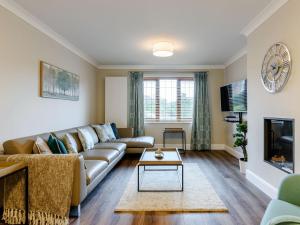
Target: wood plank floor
[{"x": 245, "y": 202}]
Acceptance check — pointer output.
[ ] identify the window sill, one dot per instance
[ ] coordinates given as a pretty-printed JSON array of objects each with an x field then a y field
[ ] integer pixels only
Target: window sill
[{"x": 168, "y": 122}]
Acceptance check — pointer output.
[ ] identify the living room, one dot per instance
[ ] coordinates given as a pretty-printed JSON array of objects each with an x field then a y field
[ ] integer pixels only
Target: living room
[{"x": 218, "y": 87}]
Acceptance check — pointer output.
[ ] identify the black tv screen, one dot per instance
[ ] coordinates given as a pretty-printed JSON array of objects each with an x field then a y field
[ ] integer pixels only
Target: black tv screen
[{"x": 234, "y": 97}]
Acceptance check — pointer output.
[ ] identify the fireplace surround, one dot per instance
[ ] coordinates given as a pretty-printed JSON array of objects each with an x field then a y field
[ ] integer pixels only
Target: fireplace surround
[{"x": 279, "y": 143}]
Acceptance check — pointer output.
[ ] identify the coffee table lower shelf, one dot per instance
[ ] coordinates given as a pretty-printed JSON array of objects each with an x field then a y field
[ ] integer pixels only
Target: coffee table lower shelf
[{"x": 179, "y": 168}]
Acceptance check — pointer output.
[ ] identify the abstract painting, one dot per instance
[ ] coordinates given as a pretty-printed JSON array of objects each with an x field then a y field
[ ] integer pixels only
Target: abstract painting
[{"x": 58, "y": 83}]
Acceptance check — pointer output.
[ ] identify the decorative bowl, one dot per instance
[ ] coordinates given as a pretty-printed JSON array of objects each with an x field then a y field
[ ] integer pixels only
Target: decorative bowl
[{"x": 159, "y": 154}]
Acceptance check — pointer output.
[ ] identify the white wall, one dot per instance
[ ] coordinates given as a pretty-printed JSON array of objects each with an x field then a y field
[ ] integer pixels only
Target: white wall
[
  {"x": 215, "y": 81},
  {"x": 234, "y": 72},
  {"x": 282, "y": 26},
  {"x": 22, "y": 111},
  {"x": 116, "y": 100}
]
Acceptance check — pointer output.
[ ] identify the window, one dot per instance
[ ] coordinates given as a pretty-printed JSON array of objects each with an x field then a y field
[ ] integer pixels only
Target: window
[{"x": 168, "y": 99}]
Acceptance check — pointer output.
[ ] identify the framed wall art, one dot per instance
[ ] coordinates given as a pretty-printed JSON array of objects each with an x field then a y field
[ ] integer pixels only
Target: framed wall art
[{"x": 58, "y": 83}]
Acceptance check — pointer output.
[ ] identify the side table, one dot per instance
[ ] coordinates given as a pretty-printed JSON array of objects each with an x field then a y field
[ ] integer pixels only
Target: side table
[
  {"x": 8, "y": 169},
  {"x": 175, "y": 131}
]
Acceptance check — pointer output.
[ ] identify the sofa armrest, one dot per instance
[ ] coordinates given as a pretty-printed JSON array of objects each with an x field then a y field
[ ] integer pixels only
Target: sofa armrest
[
  {"x": 79, "y": 183},
  {"x": 289, "y": 189},
  {"x": 79, "y": 191},
  {"x": 3, "y": 157},
  {"x": 125, "y": 132}
]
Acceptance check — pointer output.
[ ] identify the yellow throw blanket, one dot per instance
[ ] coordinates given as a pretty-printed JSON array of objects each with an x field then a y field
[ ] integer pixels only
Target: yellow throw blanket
[{"x": 50, "y": 185}]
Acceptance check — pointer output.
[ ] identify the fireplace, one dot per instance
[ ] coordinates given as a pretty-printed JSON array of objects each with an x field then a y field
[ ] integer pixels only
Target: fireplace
[{"x": 279, "y": 143}]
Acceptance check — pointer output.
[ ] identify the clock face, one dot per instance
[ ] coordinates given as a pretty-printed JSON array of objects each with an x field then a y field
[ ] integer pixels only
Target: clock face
[{"x": 276, "y": 68}]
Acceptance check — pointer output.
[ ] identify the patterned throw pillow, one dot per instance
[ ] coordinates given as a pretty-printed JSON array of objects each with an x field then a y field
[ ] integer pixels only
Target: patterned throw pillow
[
  {"x": 41, "y": 147},
  {"x": 86, "y": 139},
  {"x": 109, "y": 131},
  {"x": 70, "y": 143},
  {"x": 101, "y": 132}
]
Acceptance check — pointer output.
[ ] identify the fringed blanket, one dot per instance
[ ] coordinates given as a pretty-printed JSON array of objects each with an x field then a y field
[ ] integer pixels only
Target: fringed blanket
[{"x": 50, "y": 190}]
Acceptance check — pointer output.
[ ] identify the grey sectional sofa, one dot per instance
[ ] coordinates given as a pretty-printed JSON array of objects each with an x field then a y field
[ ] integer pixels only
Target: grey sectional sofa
[{"x": 92, "y": 165}]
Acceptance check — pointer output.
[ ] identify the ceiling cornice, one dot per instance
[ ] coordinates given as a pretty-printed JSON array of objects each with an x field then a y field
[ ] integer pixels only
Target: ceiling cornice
[
  {"x": 265, "y": 14},
  {"x": 39, "y": 25},
  {"x": 160, "y": 67},
  {"x": 236, "y": 56},
  {"x": 33, "y": 21}
]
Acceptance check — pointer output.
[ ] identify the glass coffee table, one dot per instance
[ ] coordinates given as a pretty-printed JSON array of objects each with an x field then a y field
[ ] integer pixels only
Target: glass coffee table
[{"x": 170, "y": 162}]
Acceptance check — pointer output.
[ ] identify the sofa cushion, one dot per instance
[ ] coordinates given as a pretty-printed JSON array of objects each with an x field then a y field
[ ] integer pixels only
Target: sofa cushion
[
  {"x": 107, "y": 155},
  {"x": 109, "y": 131},
  {"x": 53, "y": 145},
  {"x": 40, "y": 147},
  {"x": 101, "y": 132},
  {"x": 93, "y": 169},
  {"x": 137, "y": 142},
  {"x": 61, "y": 133},
  {"x": 116, "y": 146},
  {"x": 62, "y": 147},
  {"x": 93, "y": 133},
  {"x": 22, "y": 145},
  {"x": 278, "y": 208},
  {"x": 86, "y": 139},
  {"x": 73, "y": 131},
  {"x": 70, "y": 143},
  {"x": 115, "y": 130},
  {"x": 76, "y": 137}
]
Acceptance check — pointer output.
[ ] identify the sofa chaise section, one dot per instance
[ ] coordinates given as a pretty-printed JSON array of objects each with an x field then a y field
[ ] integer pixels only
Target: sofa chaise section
[{"x": 134, "y": 144}]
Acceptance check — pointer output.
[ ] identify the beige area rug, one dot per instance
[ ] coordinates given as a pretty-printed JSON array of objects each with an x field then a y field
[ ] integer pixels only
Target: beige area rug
[{"x": 198, "y": 194}]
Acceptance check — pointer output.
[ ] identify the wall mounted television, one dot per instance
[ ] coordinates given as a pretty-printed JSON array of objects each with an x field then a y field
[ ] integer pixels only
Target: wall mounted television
[{"x": 234, "y": 97}]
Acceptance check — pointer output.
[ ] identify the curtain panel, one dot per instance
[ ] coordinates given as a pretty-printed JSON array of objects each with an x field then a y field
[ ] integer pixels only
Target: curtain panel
[
  {"x": 136, "y": 102},
  {"x": 201, "y": 127}
]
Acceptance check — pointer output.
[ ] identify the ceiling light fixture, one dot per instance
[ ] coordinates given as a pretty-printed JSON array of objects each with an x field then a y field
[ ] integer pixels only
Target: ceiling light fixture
[{"x": 163, "y": 49}]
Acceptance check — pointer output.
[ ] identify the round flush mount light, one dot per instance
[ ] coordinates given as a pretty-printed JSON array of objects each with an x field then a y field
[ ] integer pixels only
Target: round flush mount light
[{"x": 163, "y": 49}]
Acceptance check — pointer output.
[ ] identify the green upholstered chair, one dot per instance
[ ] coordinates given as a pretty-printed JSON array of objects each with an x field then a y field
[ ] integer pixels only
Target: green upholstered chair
[{"x": 286, "y": 209}]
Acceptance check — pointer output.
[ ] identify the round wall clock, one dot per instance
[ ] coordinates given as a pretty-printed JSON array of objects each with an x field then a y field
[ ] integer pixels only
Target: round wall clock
[{"x": 276, "y": 68}]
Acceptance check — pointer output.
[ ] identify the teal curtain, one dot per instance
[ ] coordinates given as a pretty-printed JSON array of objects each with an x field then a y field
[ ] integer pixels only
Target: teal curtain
[
  {"x": 136, "y": 102},
  {"x": 201, "y": 130}
]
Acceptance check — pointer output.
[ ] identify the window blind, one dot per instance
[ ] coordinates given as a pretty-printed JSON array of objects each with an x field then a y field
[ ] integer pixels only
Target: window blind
[{"x": 168, "y": 99}]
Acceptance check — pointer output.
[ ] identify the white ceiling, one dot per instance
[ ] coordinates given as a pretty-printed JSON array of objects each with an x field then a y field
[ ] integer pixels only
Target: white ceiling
[{"x": 204, "y": 32}]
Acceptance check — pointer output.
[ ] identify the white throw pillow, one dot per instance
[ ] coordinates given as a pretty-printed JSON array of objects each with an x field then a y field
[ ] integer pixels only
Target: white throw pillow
[
  {"x": 109, "y": 132},
  {"x": 101, "y": 132},
  {"x": 86, "y": 139}
]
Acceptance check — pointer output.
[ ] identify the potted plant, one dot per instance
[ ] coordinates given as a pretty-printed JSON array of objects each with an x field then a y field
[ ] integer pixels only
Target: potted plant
[{"x": 241, "y": 141}]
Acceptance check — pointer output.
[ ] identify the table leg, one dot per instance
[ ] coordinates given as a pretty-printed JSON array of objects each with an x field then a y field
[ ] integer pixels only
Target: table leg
[
  {"x": 138, "y": 178},
  {"x": 182, "y": 140},
  {"x": 182, "y": 178},
  {"x": 164, "y": 141}
]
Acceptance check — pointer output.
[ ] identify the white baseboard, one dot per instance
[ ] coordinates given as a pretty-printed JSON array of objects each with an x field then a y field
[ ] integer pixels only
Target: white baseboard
[
  {"x": 217, "y": 147},
  {"x": 263, "y": 185},
  {"x": 214, "y": 147},
  {"x": 233, "y": 152},
  {"x": 188, "y": 146}
]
